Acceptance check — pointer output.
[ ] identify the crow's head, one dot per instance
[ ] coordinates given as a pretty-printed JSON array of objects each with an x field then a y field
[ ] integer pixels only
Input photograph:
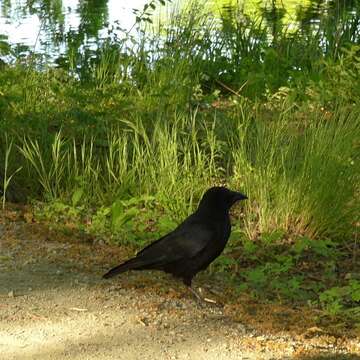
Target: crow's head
[{"x": 220, "y": 199}]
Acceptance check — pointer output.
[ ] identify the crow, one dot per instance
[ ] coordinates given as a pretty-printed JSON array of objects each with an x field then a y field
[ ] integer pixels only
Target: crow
[{"x": 193, "y": 245}]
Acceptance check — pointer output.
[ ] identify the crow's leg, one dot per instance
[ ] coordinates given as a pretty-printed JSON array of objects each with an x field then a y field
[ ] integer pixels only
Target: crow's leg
[
  {"x": 201, "y": 299},
  {"x": 195, "y": 293}
]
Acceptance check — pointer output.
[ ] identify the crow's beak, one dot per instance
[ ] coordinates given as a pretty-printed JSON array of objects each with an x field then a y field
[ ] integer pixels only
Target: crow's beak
[{"x": 239, "y": 196}]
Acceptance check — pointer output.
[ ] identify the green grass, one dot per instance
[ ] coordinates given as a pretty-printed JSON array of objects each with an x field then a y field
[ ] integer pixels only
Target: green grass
[
  {"x": 169, "y": 160},
  {"x": 301, "y": 178},
  {"x": 197, "y": 102}
]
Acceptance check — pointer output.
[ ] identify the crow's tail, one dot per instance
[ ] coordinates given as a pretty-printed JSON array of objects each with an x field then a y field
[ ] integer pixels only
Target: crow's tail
[
  {"x": 140, "y": 262},
  {"x": 128, "y": 265}
]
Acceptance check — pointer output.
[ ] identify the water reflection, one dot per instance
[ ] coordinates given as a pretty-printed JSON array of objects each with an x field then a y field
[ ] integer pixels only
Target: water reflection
[
  {"x": 49, "y": 26},
  {"x": 54, "y": 27}
]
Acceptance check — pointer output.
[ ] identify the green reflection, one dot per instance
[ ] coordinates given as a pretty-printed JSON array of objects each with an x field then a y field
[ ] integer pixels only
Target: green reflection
[{"x": 277, "y": 16}]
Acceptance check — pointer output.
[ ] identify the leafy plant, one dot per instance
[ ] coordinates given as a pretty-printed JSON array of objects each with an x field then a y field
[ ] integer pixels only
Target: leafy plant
[
  {"x": 7, "y": 177},
  {"x": 336, "y": 299}
]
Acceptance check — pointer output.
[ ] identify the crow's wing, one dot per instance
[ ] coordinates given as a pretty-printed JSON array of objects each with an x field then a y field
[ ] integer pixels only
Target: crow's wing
[{"x": 184, "y": 242}]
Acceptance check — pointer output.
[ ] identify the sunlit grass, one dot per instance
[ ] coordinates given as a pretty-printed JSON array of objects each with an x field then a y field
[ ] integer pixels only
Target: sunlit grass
[
  {"x": 299, "y": 178},
  {"x": 7, "y": 177},
  {"x": 197, "y": 102}
]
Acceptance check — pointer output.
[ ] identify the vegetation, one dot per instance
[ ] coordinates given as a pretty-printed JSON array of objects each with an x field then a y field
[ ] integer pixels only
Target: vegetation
[{"x": 123, "y": 140}]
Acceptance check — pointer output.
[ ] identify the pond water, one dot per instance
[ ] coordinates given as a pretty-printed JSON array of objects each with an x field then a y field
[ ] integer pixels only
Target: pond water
[
  {"x": 45, "y": 26},
  {"x": 42, "y": 26}
]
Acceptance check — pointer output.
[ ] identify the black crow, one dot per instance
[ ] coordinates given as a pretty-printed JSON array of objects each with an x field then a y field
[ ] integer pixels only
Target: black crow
[{"x": 194, "y": 244}]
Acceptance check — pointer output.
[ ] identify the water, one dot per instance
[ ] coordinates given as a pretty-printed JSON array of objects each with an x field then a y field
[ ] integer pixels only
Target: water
[
  {"x": 49, "y": 26},
  {"x": 43, "y": 26}
]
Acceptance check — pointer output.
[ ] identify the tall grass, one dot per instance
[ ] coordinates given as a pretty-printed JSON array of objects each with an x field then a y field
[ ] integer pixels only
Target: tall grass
[
  {"x": 7, "y": 177},
  {"x": 173, "y": 161},
  {"x": 49, "y": 170},
  {"x": 300, "y": 178},
  {"x": 196, "y": 103}
]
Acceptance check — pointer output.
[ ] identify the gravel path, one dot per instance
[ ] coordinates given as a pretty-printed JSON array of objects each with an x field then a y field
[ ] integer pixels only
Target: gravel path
[{"x": 54, "y": 305}]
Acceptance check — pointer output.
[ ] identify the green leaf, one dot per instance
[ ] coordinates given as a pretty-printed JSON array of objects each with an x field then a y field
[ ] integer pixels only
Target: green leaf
[
  {"x": 120, "y": 216},
  {"x": 117, "y": 210},
  {"x": 166, "y": 224},
  {"x": 355, "y": 290},
  {"x": 274, "y": 236},
  {"x": 301, "y": 244},
  {"x": 249, "y": 247},
  {"x": 76, "y": 197},
  {"x": 256, "y": 276}
]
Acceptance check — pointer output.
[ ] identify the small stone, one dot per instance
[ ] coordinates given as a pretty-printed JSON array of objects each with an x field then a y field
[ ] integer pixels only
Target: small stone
[
  {"x": 144, "y": 321},
  {"x": 11, "y": 294}
]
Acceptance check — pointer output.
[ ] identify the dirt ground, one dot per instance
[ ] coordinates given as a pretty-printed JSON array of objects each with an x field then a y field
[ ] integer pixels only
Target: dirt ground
[{"x": 54, "y": 305}]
